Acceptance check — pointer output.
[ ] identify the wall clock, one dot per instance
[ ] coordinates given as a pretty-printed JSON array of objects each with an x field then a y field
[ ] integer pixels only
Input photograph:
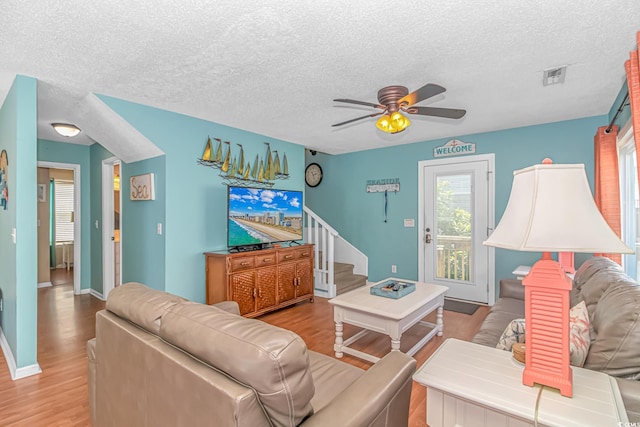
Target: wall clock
[{"x": 313, "y": 175}]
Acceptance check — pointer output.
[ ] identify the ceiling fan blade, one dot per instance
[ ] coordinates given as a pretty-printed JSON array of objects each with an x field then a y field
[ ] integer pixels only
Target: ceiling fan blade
[
  {"x": 449, "y": 113},
  {"x": 359, "y": 118},
  {"x": 425, "y": 92},
  {"x": 368, "y": 104}
]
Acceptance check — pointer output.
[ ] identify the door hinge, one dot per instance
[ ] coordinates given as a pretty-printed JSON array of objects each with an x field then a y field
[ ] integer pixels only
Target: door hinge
[
  {"x": 489, "y": 230},
  {"x": 489, "y": 172}
]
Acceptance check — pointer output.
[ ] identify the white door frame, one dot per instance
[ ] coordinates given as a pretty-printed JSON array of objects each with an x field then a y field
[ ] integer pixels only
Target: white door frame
[
  {"x": 490, "y": 159},
  {"x": 77, "y": 218},
  {"x": 108, "y": 260}
]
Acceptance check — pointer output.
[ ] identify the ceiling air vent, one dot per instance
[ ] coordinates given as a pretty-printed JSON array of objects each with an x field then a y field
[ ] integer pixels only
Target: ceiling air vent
[{"x": 554, "y": 76}]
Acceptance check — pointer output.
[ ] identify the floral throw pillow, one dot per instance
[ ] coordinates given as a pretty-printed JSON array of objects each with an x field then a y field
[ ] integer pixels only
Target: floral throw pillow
[
  {"x": 513, "y": 333},
  {"x": 579, "y": 336}
]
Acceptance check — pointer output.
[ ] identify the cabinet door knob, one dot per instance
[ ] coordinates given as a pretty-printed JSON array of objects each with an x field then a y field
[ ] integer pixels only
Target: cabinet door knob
[
  {"x": 288, "y": 256},
  {"x": 244, "y": 263}
]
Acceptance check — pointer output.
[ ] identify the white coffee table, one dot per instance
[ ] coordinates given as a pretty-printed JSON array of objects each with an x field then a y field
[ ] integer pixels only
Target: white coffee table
[{"x": 388, "y": 316}]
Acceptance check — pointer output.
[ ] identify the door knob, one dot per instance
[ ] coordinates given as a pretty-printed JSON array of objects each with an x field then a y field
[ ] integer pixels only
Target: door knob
[{"x": 427, "y": 236}]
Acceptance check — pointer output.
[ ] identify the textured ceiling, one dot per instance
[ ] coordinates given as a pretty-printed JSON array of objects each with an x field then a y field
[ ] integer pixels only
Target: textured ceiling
[{"x": 274, "y": 67}]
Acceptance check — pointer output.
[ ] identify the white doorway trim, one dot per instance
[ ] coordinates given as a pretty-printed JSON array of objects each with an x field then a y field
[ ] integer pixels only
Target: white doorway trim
[
  {"x": 108, "y": 257},
  {"x": 490, "y": 159},
  {"x": 77, "y": 218}
]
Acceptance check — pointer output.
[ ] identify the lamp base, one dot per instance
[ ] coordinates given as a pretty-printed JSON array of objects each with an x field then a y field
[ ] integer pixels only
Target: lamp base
[{"x": 547, "y": 326}]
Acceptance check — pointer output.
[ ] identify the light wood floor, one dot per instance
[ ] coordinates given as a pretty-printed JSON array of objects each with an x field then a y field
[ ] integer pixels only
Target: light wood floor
[{"x": 58, "y": 396}]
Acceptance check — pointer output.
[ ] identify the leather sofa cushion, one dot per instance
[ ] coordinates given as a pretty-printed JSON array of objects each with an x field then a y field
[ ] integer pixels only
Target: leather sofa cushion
[
  {"x": 330, "y": 378},
  {"x": 592, "y": 280},
  {"x": 501, "y": 314},
  {"x": 271, "y": 360},
  {"x": 616, "y": 326},
  {"x": 141, "y": 305}
]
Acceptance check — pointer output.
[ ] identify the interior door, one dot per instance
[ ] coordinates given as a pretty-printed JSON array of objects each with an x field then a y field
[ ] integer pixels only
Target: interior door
[{"x": 456, "y": 207}]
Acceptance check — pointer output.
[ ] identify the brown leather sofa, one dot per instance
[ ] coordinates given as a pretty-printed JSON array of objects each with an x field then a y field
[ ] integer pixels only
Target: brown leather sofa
[
  {"x": 613, "y": 303},
  {"x": 159, "y": 360}
]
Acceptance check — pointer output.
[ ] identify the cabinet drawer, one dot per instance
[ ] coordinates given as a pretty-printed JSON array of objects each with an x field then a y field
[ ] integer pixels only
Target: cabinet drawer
[
  {"x": 242, "y": 263},
  {"x": 288, "y": 255},
  {"x": 304, "y": 253},
  {"x": 265, "y": 259}
]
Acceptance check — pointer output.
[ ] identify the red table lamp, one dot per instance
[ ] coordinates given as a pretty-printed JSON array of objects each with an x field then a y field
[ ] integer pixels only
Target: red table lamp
[{"x": 551, "y": 209}]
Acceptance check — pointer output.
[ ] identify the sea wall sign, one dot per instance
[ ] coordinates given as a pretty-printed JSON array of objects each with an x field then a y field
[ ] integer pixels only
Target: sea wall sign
[
  {"x": 454, "y": 147},
  {"x": 142, "y": 187},
  {"x": 382, "y": 185}
]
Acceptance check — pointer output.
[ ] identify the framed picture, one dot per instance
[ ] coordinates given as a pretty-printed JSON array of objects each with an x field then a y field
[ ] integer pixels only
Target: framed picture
[
  {"x": 142, "y": 187},
  {"x": 42, "y": 192}
]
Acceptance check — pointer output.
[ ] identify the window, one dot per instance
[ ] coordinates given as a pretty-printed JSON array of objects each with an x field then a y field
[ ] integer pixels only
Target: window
[
  {"x": 63, "y": 197},
  {"x": 630, "y": 201}
]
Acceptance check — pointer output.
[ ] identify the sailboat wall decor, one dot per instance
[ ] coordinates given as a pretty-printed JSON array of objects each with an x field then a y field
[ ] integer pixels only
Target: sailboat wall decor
[{"x": 234, "y": 170}]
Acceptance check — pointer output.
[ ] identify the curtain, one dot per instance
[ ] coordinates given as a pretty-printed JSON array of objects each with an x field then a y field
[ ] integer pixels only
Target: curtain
[
  {"x": 607, "y": 181},
  {"x": 632, "y": 67}
]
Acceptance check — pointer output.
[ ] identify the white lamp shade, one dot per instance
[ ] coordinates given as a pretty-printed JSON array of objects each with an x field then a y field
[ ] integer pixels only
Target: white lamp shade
[
  {"x": 551, "y": 209},
  {"x": 66, "y": 129}
]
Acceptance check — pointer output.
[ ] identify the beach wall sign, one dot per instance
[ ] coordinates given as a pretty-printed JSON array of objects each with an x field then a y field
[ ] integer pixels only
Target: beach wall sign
[
  {"x": 382, "y": 185},
  {"x": 454, "y": 147}
]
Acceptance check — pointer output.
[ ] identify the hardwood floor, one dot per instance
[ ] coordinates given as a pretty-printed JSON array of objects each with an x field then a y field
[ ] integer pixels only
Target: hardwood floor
[{"x": 58, "y": 396}]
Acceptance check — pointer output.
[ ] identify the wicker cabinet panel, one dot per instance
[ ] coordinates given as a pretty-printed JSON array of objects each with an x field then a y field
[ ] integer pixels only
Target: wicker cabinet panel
[
  {"x": 242, "y": 288},
  {"x": 260, "y": 281},
  {"x": 266, "y": 278},
  {"x": 286, "y": 282},
  {"x": 304, "y": 270}
]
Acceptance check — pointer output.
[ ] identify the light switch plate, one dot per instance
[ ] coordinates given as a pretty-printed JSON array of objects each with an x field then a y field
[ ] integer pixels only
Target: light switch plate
[{"x": 409, "y": 222}]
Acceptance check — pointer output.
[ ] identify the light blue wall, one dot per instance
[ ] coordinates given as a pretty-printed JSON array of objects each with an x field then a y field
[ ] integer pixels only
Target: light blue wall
[
  {"x": 341, "y": 198},
  {"x": 59, "y": 152},
  {"x": 143, "y": 249},
  {"x": 18, "y": 265},
  {"x": 195, "y": 198}
]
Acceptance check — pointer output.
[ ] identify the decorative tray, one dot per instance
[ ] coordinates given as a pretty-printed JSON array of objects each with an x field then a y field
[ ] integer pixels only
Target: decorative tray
[{"x": 392, "y": 288}]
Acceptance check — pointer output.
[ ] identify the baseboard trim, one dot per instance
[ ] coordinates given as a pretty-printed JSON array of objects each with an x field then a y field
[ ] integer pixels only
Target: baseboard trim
[
  {"x": 45, "y": 284},
  {"x": 94, "y": 293},
  {"x": 16, "y": 373}
]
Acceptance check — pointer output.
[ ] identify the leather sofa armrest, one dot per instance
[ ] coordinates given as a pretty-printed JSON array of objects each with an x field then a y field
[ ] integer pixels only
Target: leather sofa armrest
[
  {"x": 511, "y": 288},
  {"x": 228, "y": 306},
  {"x": 630, "y": 391},
  {"x": 382, "y": 393},
  {"x": 91, "y": 378}
]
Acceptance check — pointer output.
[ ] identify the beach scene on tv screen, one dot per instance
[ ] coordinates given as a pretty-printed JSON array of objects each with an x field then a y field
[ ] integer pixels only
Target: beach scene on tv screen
[{"x": 263, "y": 216}]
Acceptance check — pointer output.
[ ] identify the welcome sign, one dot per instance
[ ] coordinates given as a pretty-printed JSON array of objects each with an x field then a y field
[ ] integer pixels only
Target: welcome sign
[{"x": 453, "y": 148}]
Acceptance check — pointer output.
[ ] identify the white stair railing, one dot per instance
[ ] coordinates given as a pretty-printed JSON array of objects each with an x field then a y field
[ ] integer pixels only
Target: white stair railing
[{"x": 330, "y": 247}]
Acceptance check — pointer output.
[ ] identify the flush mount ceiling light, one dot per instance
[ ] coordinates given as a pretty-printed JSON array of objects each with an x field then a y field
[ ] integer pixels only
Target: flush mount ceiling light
[{"x": 66, "y": 129}]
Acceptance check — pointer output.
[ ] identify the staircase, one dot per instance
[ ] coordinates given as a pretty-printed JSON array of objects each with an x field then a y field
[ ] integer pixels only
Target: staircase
[
  {"x": 344, "y": 268},
  {"x": 345, "y": 279}
]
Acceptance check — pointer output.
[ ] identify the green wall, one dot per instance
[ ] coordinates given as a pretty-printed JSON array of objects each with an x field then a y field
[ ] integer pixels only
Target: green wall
[
  {"x": 59, "y": 152},
  {"x": 195, "y": 199},
  {"x": 341, "y": 198},
  {"x": 18, "y": 265}
]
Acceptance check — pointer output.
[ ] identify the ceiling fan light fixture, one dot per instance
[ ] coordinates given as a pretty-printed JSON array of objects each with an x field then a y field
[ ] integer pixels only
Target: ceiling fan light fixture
[
  {"x": 66, "y": 129},
  {"x": 393, "y": 123},
  {"x": 384, "y": 123},
  {"x": 399, "y": 122}
]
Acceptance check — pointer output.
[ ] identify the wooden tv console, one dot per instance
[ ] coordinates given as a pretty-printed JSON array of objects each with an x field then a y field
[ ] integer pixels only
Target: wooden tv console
[{"x": 260, "y": 281}]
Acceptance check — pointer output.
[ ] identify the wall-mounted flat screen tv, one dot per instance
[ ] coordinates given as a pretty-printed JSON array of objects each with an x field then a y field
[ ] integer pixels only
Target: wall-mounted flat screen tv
[{"x": 258, "y": 217}]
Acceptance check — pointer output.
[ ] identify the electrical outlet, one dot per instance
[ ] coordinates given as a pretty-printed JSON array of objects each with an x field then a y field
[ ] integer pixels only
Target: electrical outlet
[
  {"x": 394, "y": 269},
  {"x": 1, "y": 308}
]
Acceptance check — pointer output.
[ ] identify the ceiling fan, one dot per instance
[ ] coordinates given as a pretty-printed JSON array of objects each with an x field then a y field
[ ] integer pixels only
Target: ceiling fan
[{"x": 393, "y": 99}]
